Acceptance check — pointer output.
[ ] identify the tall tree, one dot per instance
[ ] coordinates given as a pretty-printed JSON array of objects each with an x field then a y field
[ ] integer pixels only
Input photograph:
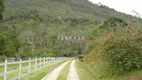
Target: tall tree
[{"x": 1, "y": 9}]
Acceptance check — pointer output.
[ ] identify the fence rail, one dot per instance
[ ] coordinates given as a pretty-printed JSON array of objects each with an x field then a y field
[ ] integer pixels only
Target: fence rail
[{"x": 36, "y": 63}]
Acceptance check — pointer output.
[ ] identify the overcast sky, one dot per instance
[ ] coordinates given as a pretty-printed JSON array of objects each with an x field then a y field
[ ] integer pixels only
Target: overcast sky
[{"x": 125, "y": 6}]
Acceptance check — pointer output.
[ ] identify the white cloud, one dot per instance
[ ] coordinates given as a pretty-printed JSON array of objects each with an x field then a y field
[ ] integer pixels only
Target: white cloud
[{"x": 125, "y": 6}]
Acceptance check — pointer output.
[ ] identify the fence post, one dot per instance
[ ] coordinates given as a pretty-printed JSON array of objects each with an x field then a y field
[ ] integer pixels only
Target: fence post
[
  {"x": 35, "y": 65},
  {"x": 55, "y": 60},
  {"x": 20, "y": 67},
  {"x": 5, "y": 70},
  {"x": 58, "y": 59},
  {"x": 40, "y": 63},
  {"x": 49, "y": 61},
  {"x": 44, "y": 62},
  {"x": 29, "y": 67}
]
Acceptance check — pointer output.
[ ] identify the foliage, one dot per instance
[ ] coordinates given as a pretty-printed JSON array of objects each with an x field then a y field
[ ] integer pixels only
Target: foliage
[
  {"x": 124, "y": 55},
  {"x": 9, "y": 46},
  {"x": 45, "y": 54},
  {"x": 1, "y": 9},
  {"x": 114, "y": 24},
  {"x": 114, "y": 53},
  {"x": 37, "y": 24}
]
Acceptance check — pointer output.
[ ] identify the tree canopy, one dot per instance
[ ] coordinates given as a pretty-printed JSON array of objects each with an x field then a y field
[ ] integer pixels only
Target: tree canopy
[{"x": 1, "y": 9}]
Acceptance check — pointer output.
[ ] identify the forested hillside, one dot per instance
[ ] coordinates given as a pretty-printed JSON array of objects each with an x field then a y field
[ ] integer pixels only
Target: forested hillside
[{"x": 32, "y": 28}]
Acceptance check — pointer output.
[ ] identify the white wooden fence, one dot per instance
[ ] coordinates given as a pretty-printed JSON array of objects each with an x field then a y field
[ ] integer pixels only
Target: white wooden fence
[{"x": 38, "y": 64}]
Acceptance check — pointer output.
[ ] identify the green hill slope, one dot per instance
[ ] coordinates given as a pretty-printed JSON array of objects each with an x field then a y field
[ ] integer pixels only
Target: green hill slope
[
  {"x": 38, "y": 24},
  {"x": 62, "y": 8},
  {"x": 114, "y": 51}
]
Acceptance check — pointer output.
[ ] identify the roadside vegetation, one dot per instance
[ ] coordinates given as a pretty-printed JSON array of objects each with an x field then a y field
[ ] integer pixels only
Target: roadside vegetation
[
  {"x": 83, "y": 74},
  {"x": 115, "y": 51}
]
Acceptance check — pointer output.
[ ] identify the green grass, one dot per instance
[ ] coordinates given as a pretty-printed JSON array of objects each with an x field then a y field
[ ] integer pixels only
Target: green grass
[
  {"x": 15, "y": 67},
  {"x": 101, "y": 71},
  {"x": 64, "y": 73},
  {"x": 96, "y": 71},
  {"x": 134, "y": 75},
  {"x": 82, "y": 73},
  {"x": 45, "y": 71}
]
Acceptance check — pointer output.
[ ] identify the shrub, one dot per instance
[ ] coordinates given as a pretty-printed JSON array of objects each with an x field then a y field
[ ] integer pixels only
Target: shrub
[
  {"x": 8, "y": 45},
  {"x": 124, "y": 55}
]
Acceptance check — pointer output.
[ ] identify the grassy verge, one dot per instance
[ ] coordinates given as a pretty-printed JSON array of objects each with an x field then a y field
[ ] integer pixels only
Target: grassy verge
[
  {"x": 96, "y": 72},
  {"x": 99, "y": 74},
  {"x": 82, "y": 73},
  {"x": 16, "y": 67},
  {"x": 40, "y": 75},
  {"x": 64, "y": 73}
]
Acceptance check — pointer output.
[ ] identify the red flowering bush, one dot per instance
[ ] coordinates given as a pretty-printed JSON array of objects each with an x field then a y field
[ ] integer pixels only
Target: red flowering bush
[
  {"x": 124, "y": 55},
  {"x": 107, "y": 40}
]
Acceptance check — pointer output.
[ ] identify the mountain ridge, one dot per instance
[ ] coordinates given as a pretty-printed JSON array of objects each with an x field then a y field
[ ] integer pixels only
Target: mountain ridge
[{"x": 66, "y": 8}]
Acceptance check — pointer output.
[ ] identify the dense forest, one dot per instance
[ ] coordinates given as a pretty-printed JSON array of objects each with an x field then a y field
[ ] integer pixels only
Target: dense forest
[{"x": 31, "y": 28}]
